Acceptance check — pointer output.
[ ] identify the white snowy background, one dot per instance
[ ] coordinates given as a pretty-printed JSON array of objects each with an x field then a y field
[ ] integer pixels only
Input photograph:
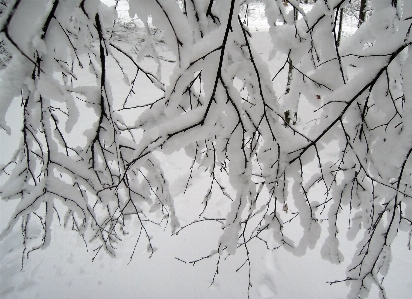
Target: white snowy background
[{"x": 65, "y": 269}]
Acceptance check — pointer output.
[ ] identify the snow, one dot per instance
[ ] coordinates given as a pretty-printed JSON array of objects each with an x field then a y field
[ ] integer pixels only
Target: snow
[{"x": 67, "y": 267}]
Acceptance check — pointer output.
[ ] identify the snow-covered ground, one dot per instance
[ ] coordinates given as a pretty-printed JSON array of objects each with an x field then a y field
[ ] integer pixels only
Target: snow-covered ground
[{"x": 65, "y": 269}]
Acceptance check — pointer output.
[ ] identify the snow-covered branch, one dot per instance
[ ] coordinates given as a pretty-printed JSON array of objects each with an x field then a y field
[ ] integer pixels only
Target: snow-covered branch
[{"x": 89, "y": 149}]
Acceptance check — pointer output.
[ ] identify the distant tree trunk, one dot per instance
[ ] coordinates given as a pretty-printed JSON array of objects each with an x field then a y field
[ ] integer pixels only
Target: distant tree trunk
[
  {"x": 362, "y": 12},
  {"x": 290, "y": 71},
  {"x": 340, "y": 25}
]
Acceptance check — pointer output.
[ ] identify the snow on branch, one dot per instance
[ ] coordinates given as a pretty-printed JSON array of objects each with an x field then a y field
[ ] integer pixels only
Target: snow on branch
[{"x": 89, "y": 150}]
